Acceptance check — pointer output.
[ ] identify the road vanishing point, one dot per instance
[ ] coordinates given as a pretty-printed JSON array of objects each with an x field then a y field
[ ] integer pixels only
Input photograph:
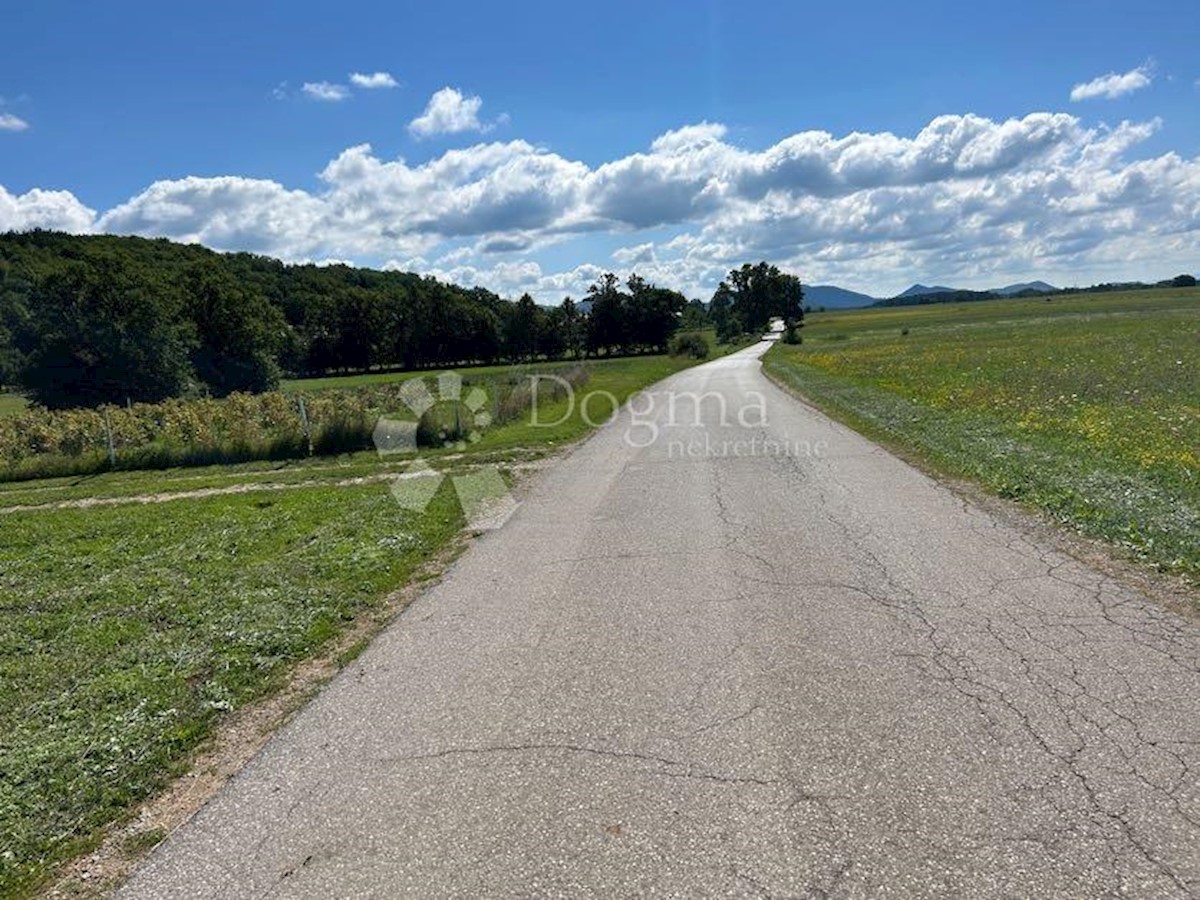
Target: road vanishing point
[{"x": 749, "y": 654}]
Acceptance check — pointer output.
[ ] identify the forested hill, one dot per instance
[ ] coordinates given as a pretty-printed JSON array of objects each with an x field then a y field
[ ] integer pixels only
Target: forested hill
[{"x": 91, "y": 319}]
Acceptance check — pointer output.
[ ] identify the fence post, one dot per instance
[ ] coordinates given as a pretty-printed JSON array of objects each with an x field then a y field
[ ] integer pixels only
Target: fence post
[
  {"x": 108, "y": 436},
  {"x": 307, "y": 425}
]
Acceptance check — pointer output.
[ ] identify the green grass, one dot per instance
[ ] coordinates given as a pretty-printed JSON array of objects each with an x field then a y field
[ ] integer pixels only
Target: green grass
[
  {"x": 127, "y": 631},
  {"x": 562, "y": 420},
  {"x": 1087, "y": 407},
  {"x": 172, "y": 481},
  {"x": 567, "y": 419},
  {"x": 11, "y": 404},
  {"x": 475, "y": 373}
]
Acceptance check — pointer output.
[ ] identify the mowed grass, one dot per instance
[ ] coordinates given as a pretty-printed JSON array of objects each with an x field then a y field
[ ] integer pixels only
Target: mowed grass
[
  {"x": 127, "y": 631},
  {"x": 11, "y": 404},
  {"x": 1087, "y": 406}
]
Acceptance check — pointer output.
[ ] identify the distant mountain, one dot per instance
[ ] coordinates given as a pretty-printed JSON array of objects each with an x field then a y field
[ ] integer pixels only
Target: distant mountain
[
  {"x": 1038, "y": 287},
  {"x": 833, "y": 297},
  {"x": 918, "y": 290},
  {"x": 1034, "y": 287}
]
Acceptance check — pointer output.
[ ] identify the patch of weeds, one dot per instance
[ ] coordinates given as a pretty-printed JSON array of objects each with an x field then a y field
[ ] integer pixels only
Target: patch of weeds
[
  {"x": 140, "y": 842},
  {"x": 353, "y": 652}
]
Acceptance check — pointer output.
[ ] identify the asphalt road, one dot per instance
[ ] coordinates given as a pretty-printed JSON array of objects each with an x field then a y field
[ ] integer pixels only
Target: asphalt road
[{"x": 688, "y": 666}]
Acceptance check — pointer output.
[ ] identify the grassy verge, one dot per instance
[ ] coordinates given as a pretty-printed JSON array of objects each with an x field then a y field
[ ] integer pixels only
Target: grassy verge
[
  {"x": 128, "y": 631},
  {"x": 1085, "y": 407}
]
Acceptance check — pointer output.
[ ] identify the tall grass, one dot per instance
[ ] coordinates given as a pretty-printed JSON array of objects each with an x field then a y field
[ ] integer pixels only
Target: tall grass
[{"x": 40, "y": 443}]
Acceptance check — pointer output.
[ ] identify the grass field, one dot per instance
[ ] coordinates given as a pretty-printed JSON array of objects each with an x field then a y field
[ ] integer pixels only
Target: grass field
[
  {"x": 1087, "y": 406},
  {"x": 11, "y": 404},
  {"x": 128, "y": 629}
]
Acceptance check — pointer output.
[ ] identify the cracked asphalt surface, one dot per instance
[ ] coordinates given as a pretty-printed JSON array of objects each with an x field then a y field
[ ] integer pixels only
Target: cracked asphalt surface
[{"x": 804, "y": 673}]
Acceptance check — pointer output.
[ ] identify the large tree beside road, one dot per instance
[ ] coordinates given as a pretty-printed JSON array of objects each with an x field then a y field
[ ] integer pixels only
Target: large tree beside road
[{"x": 753, "y": 295}]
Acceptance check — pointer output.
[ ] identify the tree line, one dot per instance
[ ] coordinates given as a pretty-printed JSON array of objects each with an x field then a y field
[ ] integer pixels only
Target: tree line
[{"x": 97, "y": 319}]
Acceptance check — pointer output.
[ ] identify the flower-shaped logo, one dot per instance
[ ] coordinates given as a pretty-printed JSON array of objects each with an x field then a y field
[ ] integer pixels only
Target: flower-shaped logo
[{"x": 445, "y": 416}]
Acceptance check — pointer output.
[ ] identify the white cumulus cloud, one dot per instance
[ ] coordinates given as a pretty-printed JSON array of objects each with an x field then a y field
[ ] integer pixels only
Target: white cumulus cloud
[
  {"x": 226, "y": 213},
  {"x": 966, "y": 199},
  {"x": 373, "y": 81},
  {"x": 325, "y": 91},
  {"x": 57, "y": 210},
  {"x": 9, "y": 122},
  {"x": 449, "y": 111},
  {"x": 1114, "y": 85}
]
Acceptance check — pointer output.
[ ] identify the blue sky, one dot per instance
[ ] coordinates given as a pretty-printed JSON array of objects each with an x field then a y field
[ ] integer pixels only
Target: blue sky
[{"x": 528, "y": 146}]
